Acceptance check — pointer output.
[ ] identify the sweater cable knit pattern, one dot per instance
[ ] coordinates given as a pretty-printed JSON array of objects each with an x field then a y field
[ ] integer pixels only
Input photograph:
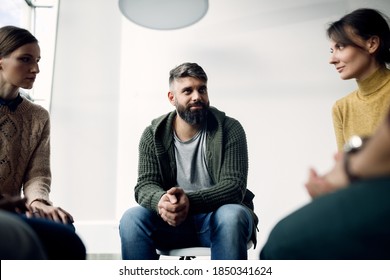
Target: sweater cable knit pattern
[{"x": 25, "y": 151}]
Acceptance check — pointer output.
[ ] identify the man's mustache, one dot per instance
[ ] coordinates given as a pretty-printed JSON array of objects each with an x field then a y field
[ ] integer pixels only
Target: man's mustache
[{"x": 196, "y": 104}]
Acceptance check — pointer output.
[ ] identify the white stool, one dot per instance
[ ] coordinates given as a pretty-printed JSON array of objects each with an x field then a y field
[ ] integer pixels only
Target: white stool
[{"x": 191, "y": 252}]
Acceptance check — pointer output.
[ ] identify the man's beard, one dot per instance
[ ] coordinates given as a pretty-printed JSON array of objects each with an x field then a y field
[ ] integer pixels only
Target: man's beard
[{"x": 193, "y": 117}]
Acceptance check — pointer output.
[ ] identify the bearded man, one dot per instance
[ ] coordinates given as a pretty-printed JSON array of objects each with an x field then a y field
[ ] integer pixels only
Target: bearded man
[{"x": 192, "y": 179}]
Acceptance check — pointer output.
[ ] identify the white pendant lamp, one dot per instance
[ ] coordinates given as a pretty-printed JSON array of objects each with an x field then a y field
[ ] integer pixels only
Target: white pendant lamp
[{"x": 164, "y": 14}]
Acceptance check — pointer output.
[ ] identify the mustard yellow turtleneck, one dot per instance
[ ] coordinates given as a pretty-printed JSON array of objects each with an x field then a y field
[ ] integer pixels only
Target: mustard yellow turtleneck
[{"x": 361, "y": 111}]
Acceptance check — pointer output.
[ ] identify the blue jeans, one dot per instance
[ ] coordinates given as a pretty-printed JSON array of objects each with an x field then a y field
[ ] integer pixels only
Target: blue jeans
[{"x": 226, "y": 231}]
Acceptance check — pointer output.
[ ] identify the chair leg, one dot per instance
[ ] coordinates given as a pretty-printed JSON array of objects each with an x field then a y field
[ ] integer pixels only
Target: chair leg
[{"x": 187, "y": 257}]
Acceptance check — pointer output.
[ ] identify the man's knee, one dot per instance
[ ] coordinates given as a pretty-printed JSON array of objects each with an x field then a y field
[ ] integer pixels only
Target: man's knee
[
  {"x": 234, "y": 215},
  {"x": 134, "y": 217}
]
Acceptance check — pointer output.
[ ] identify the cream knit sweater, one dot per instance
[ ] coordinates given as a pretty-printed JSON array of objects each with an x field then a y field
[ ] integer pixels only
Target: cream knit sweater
[
  {"x": 361, "y": 111},
  {"x": 25, "y": 152}
]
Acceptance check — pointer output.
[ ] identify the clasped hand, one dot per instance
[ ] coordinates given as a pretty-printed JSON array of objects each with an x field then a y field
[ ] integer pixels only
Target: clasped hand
[{"x": 173, "y": 206}]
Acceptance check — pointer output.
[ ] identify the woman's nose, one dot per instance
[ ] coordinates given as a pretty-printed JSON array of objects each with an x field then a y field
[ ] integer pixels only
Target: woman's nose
[
  {"x": 332, "y": 58},
  {"x": 35, "y": 68}
]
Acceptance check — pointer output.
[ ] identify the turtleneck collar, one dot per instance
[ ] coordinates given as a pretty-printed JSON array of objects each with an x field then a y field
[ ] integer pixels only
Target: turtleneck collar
[{"x": 374, "y": 82}]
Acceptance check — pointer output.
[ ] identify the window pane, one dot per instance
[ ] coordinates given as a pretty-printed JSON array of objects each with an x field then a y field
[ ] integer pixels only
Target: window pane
[
  {"x": 15, "y": 12},
  {"x": 45, "y": 31}
]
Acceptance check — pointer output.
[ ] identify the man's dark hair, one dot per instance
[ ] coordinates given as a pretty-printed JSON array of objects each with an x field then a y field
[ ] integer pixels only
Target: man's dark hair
[{"x": 187, "y": 69}]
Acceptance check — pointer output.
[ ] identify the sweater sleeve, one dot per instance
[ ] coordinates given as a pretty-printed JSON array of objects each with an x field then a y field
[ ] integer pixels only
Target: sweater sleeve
[
  {"x": 230, "y": 170},
  {"x": 148, "y": 189},
  {"x": 37, "y": 177}
]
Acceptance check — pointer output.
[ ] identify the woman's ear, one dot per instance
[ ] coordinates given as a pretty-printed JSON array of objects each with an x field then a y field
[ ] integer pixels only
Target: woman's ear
[{"x": 373, "y": 44}]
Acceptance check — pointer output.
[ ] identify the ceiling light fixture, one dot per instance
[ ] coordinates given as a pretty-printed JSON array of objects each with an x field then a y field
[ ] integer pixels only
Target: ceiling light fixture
[{"x": 164, "y": 14}]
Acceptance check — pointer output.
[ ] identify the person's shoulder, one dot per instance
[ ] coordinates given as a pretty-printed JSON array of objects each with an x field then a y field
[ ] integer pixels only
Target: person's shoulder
[
  {"x": 158, "y": 120},
  {"x": 34, "y": 108},
  {"x": 222, "y": 116},
  {"x": 158, "y": 123},
  {"x": 343, "y": 101},
  {"x": 226, "y": 121}
]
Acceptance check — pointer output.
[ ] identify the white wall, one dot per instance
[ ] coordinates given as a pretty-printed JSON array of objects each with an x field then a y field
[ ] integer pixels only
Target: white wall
[
  {"x": 84, "y": 113},
  {"x": 267, "y": 63}
]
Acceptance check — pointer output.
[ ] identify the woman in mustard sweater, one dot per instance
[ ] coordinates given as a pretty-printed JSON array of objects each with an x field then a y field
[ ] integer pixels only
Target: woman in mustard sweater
[{"x": 360, "y": 43}]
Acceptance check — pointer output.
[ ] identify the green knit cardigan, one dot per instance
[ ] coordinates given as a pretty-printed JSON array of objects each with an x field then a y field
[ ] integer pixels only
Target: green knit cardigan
[{"x": 227, "y": 162}]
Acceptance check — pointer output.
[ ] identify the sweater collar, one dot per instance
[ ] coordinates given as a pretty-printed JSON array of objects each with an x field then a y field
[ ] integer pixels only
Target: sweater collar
[
  {"x": 11, "y": 104},
  {"x": 374, "y": 82}
]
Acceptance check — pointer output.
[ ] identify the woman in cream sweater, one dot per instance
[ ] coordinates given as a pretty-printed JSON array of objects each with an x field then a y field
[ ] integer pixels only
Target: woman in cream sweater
[{"x": 25, "y": 151}]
